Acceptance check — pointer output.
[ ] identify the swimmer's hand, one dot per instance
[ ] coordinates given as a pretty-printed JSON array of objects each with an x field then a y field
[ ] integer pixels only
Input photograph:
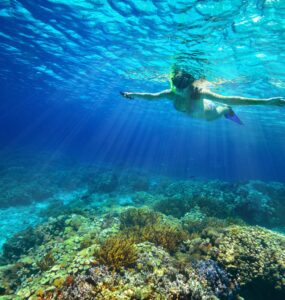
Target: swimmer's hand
[
  {"x": 276, "y": 101},
  {"x": 126, "y": 95}
]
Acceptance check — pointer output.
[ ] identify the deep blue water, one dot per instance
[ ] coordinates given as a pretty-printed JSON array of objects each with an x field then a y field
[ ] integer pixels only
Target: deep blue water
[{"x": 63, "y": 63}]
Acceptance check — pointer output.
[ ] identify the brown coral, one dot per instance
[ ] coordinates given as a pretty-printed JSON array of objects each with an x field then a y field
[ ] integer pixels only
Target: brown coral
[
  {"x": 142, "y": 224},
  {"x": 46, "y": 262},
  {"x": 117, "y": 252},
  {"x": 166, "y": 235}
]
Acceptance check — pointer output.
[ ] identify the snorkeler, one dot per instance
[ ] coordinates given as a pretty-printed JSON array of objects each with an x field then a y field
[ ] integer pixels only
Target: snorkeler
[{"x": 190, "y": 96}]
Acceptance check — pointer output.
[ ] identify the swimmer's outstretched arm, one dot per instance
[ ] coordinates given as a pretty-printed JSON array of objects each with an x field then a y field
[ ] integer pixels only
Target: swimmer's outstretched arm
[
  {"x": 236, "y": 100},
  {"x": 148, "y": 96}
]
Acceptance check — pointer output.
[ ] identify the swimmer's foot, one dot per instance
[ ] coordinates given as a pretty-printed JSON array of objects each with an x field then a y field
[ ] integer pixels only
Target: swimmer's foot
[{"x": 233, "y": 117}]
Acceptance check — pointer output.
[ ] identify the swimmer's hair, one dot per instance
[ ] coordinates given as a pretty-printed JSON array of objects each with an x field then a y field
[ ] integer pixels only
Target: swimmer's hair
[{"x": 181, "y": 79}]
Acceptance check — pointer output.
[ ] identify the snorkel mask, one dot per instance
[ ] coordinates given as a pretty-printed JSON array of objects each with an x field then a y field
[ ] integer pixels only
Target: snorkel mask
[{"x": 180, "y": 80}]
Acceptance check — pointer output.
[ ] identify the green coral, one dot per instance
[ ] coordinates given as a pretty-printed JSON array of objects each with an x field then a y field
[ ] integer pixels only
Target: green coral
[
  {"x": 253, "y": 255},
  {"x": 10, "y": 277},
  {"x": 138, "y": 217},
  {"x": 196, "y": 224},
  {"x": 43, "y": 269},
  {"x": 117, "y": 252},
  {"x": 175, "y": 206}
]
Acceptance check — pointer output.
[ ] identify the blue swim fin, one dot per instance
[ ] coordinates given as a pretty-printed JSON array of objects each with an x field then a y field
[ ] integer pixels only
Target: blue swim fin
[{"x": 233, "y": 117}]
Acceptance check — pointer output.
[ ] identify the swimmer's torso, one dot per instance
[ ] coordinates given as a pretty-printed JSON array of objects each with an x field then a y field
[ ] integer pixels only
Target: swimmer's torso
[
  {"x": 196, "y": 105},
  {"x": 189, "y": 104}
]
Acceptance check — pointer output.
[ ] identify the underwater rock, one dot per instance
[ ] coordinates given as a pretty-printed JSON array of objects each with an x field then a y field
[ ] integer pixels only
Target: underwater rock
[
  {"x": 218, "y": 280},
  {"x": 24, "y": 241},
  {"x": 139, "y": 183},
  {"x": 175, "y": 206},
  {"x": 133, "y": 181},
  {"x": 106, "y": 182},
  {"x": 253, "y": 205},
  {"x": 144, "y": 198},
  {"x": 63, "y": 254},
  {"x": 195, "y": 222},
  {"x": 125, "y": 200},
  {"x": 10, "y": 277},
  {"x": 181, "y": 188}
]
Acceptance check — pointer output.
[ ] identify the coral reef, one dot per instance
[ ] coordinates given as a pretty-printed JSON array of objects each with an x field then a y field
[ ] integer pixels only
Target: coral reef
[
  {"x": 125, "y": 236},
  {"x": 120, "y": 257}
]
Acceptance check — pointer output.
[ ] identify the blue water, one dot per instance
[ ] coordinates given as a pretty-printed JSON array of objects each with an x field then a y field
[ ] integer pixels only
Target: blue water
[
  {"x": 63, "y": 64},
  {"x": 78, "y": 162}
]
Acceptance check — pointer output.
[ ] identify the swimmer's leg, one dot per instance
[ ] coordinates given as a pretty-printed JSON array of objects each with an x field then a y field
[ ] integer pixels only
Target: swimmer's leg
[{"x": 214, "y": 112}]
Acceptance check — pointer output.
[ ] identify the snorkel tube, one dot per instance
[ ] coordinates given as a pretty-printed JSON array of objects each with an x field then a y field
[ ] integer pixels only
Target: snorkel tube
[{"x": 171, "y": 75}]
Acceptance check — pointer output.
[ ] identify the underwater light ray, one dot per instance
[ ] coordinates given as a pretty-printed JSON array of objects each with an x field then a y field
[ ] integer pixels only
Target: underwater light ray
[
  {"x": 105, "y": 129},
  {"x": 244, "y": 151},
  {"x": 68, "y": 132},
  {"x": 122, "y": 136},
  {"x": 140, "y": 139},
  {"x": 178, "y": 139},
  {"x": 226, "y": 152},
  {"x": 219, "y": 147},
  {"x": 80, "y": 86},
  {"x": 111, "y": 130},
  {"x": 268, "y": 158},
  {"x": 31, "y": 127},
  {"x": 67, "y": 136},
  {"x": 176, "y": 143},
  {"x": 57, "y": 151},
  {"x": 148, "y": 144},
  {"x": 208, "y": 149}
]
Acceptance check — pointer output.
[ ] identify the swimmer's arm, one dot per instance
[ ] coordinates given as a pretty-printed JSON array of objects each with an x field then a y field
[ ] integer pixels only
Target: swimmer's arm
[
  {"x": 236, "y": 100},
  {"x": 148, "y": 96}
]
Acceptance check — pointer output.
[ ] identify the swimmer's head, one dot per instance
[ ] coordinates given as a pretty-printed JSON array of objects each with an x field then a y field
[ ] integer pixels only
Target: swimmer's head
[{"x": 181, "y": 79}]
